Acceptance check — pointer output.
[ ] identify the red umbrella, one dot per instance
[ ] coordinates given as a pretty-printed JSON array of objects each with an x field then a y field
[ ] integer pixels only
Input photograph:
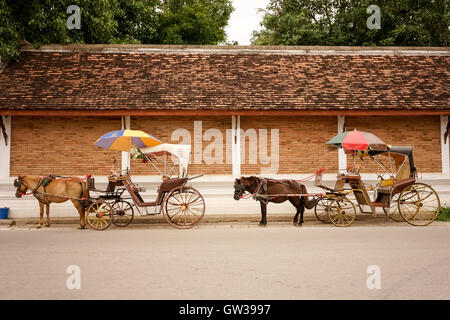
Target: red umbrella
[{"x": 358, "y": 140}]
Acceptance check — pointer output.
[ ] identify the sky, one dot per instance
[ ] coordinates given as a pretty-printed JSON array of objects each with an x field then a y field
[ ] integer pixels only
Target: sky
[{"x": 244, "y": 20}]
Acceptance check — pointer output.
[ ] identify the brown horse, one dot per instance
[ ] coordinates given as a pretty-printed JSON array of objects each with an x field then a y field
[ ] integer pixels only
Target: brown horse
[
  {"x": 54, "y": 190},
  {"x": 276, "y": 191}
]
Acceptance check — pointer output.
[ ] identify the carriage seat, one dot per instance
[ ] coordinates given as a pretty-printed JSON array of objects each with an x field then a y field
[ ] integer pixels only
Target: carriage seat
[
  {"x": 90, "y": 182},
  {"x": 133, "y": 190},
  {"x": 172, "y": 183},
  {"x": 338, "y": 187}
]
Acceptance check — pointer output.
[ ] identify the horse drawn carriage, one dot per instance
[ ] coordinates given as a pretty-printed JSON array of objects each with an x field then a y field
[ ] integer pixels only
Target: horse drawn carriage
[
  {"x": 397, "y": 192},
  {"x": 182, "y": 205}
]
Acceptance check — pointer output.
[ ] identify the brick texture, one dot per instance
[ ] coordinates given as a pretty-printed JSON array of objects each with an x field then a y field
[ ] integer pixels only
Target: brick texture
[
  {"x": 64, "y": 145},
  {"x": 301, "y": 143},
  {"x": 59, "y": 145}
]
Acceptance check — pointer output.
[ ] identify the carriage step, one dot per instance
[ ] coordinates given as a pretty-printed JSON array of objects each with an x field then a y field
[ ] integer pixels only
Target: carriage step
[{"x": 379, "y": 204}]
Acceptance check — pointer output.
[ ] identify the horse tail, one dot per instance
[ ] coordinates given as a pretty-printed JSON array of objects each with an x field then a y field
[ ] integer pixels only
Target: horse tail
[{"x": 309, "y": 204}]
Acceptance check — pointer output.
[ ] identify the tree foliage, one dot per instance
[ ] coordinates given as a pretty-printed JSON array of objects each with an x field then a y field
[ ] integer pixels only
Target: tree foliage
[
  {"x": 344, "y": 22},
  {"x": 112, "y": 21}
]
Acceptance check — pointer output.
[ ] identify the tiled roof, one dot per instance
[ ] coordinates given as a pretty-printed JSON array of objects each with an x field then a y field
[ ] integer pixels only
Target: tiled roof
[{"x": 224, "y": 78}]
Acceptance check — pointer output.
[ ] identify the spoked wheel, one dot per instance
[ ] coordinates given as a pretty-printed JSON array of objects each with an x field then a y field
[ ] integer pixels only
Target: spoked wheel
[
  {"x": 123, "y": 213},
  {"x": 419, "y": 204},
  {"x": 99, "y": 215},
  {"x": 184, "y": 207},
  {"x": 320, "y": 209},
  {"x": 341, "y": 212},
  {"x": 394, "y": 213}
]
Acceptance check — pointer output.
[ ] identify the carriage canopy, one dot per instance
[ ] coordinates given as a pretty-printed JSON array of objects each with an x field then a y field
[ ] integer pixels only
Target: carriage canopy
[{"x": 180, "y": 154}]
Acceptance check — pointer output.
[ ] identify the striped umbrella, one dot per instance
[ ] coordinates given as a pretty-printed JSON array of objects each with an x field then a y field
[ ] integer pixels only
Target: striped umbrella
[
  {"x": 124, "y": 140},
  {"x": 358, "y": 140}
]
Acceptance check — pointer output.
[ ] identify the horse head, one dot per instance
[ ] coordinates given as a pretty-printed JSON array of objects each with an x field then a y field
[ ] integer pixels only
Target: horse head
[
  {"x": 21, "y": 187},
  {"x": 244, "y": 184},
  {"x": 239, "y": 189}
]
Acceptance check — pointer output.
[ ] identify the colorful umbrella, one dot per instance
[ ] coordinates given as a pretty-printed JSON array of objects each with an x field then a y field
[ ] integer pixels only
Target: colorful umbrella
[
  {"x": 358, "y": 140},
  {"x": 124, "y": 140}
]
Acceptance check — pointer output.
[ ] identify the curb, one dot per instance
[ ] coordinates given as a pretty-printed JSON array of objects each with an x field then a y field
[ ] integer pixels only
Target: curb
[
  {"x": 211, "y": 219},
  {"x": 7, "y": 222},
  {"x": 159, "y": 219}
]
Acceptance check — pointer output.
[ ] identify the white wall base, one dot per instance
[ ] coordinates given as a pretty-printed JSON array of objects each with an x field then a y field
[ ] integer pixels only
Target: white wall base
[{"x": 217, "y": 191}]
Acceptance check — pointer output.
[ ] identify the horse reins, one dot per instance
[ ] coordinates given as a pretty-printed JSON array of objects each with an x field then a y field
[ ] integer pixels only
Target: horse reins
[
  {"x": 53, "y": 178},
  {"x": 252, "y": 195}
]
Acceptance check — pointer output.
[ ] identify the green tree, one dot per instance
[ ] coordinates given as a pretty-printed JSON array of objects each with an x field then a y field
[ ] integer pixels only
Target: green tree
[
  {"x": 193, "y": 21},
  {"x": 343, "y": 22},
  {"x": 9, "y": 34},
  {"x": 112, "y": 21},
  {"x": 138, "y": 21}
]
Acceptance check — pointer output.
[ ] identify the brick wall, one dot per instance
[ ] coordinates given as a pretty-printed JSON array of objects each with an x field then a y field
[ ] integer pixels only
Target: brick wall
[
  {"x": 61, "y": 145},
  {"x": 422, "y": 133},
  {"x": 64, "y": 145},
  {"x": 301, "y": 143},
  {"x": 164, "y": 127}
]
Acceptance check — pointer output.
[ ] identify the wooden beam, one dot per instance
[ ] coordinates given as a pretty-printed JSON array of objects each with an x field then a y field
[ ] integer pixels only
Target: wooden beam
[
  {"x": 218, "y": 113},
  {"x": 5, "y": 148},
  {"x": 126, "y": 155},
  {"x": 236, "y": 145},
  {"x": 445, "y": 153},
  {"x": 342, "y": 157}
]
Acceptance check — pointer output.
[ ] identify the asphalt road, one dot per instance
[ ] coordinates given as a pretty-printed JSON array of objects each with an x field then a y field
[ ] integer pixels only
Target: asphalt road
[{"x": 220, "y": 262}]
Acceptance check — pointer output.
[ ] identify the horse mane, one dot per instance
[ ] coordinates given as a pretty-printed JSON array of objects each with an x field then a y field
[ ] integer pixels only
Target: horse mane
[{"x": 249, "y": 181}]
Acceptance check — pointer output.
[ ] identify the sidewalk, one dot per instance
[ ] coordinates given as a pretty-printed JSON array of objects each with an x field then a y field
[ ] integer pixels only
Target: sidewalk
[
  {"x": 225, "y": 220},
  {"x": 160, "y": 220}
]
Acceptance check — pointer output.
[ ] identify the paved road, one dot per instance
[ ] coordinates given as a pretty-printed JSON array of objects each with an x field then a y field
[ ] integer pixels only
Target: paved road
[{"x": 219, "y": 262}]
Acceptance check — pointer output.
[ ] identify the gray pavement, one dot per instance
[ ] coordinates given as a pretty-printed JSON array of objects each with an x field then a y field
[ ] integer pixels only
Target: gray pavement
[{"x": 227, "y": 261}]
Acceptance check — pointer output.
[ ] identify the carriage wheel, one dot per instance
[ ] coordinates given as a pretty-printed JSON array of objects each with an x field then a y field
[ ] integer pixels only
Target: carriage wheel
[
  {"x": 99, "y": 215},
  {"x": 320, "y": 209},
  {"x": 419, "y": 204},
  {"x": 184, "y": 207},
  {"x": 394, "y": 213},
  {"x": 123, "y": 213},
  {"x": 341, "y": 212}
]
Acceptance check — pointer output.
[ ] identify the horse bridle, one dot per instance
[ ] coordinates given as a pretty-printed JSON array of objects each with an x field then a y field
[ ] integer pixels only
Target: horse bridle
[
  {"x": 239, "y": 188},
  {"x": 18, "y": 183}
]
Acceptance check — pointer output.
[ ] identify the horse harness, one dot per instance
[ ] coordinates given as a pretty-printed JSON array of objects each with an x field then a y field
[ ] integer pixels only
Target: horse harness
[
  {"x": 42, "y": 182},
  {"x": 261, "y": 193}
]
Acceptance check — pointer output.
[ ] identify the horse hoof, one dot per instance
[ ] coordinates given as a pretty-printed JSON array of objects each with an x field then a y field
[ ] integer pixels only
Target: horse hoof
[
  {"x": 262, "y": 225},
  {"x": 38, "y": 227},
  {"x": 81, "y": 227}
]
